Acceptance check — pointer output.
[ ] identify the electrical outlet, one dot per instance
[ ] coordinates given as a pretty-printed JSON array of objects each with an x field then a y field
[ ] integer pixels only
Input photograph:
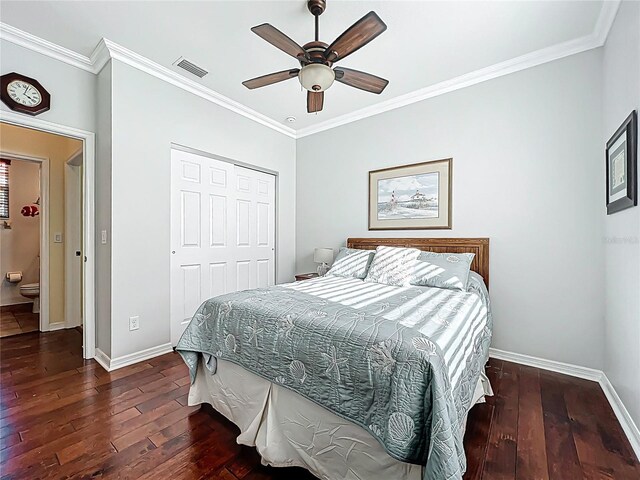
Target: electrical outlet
[
  {"x": 134, "y": 323},
  {"x": 104, "y": 237},
  {"x": 57, "y": 237}
]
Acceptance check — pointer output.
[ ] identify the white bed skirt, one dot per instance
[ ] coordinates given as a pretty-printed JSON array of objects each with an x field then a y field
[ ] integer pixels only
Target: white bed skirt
[{"x": 289, "y": 430}]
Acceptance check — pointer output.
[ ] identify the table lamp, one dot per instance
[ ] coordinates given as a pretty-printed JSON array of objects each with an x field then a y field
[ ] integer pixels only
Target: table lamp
[{"x": 323, "y": 256}]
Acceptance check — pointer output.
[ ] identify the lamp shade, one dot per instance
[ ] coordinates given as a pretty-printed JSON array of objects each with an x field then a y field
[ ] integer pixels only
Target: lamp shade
[
  {"x": 316, "y": 77},
  {"x": 323, "y": 255}
]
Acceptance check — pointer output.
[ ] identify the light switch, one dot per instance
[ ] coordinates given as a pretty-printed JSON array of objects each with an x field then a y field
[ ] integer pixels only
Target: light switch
[
  {"x": 104, "y": 237},
  {"x": 57, "y": 237}
]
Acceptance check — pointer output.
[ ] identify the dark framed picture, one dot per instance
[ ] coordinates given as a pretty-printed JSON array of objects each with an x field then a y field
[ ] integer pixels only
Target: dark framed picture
[
  {"x": 622, "y": 166},
  {"x": 411, "y": 197}
]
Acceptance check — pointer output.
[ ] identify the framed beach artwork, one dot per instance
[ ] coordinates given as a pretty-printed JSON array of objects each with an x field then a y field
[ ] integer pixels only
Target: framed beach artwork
[
  {"x": 411, "y": 197},
  {"x": 622, "y": 166}
]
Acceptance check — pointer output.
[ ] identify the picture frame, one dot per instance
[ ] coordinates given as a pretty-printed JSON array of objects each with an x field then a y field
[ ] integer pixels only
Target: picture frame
[
  {"x": 412, "y": 197},
  {"x": 621, "y": 164}
]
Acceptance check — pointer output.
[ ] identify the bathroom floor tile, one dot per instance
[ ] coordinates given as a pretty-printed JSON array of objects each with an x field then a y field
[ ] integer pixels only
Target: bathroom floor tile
[
  {"x": 8, "y": 330},
  {"x": 16, "y": 319},
  {"x": 28, "y": 321}
]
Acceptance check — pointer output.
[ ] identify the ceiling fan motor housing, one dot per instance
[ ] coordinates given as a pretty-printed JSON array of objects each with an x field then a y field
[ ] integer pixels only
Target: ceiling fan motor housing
[{"x": 316, "y": 7}]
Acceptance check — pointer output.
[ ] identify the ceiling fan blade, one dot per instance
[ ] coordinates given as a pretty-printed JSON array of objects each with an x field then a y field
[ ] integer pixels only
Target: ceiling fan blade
[
  {"x": 265, "y": 80},
  {"x": 363, "y": 81},
  {"x": 315, "y": 101},
  {"x": 355, "y": 37},
  {"x": 279, "y": 40}
]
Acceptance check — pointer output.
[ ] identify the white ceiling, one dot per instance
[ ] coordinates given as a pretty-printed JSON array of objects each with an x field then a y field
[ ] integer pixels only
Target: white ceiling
[{"x": 425, "y": 43}]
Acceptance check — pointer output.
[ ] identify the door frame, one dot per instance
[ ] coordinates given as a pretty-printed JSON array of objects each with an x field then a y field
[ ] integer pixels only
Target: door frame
[
  {"x": 88, "y": 216},
  {"x": 43, "y": 242}
]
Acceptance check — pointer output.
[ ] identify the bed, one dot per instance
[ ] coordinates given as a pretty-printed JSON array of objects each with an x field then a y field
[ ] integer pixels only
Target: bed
[{"x": 346, "y": 378}]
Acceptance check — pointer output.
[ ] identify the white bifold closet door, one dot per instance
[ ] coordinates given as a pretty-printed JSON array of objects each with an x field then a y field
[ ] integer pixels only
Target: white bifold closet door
[{"x": 222, "y": 232}]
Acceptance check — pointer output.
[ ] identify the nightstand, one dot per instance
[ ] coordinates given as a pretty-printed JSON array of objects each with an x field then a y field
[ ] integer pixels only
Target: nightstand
[{"x": 306, "y": 276}]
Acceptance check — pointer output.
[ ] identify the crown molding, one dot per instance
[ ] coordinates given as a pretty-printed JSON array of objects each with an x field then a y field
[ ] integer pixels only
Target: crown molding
[
  {"x": 605, "y": 21},
  {"x": 44, "y": 47},
  {"x": 100, "y": 56},
  {"x": 596, "y": 39},
  {"x": 106, "y": 50},
  {"x": 142, "y": 63}
]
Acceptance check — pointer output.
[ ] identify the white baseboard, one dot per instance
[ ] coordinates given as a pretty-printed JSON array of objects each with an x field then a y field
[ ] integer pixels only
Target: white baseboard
[
  {"x": 103, "y": 359},
  {"x": 110, "y": 364},
  {"x": 52, "y": 327},
  {"x": 544, "y": 364},
  {"x": 626, "y": 422}
]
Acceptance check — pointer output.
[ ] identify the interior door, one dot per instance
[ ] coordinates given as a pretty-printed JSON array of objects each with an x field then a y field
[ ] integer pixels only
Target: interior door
[
  {"x": 222, "y": 232},
  {"x": 73, "y": 241}
]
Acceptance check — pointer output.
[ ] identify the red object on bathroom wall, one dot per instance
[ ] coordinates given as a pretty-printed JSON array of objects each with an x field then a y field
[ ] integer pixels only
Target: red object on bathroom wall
[{"x": 30, "y": 211}]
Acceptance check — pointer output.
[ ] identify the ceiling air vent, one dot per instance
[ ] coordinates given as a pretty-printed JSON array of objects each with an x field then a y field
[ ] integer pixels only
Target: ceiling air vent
[{"x": 190, "y": 67}]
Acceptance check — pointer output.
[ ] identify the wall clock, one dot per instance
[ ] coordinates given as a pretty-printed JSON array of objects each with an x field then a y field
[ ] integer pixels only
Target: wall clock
[{"x": 24, "y": 94}]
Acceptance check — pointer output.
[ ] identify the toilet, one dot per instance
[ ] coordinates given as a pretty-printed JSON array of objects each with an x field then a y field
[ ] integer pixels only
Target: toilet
[{"x": 32, "y": 291}]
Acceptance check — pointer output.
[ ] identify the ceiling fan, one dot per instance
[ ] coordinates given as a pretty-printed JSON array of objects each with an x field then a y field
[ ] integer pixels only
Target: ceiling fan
[{"x": 316, "y": 58}]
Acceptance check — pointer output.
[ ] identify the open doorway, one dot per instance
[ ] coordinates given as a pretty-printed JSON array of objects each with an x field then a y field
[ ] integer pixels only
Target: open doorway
[
  {"x": 52, "y": 284},
  {"x": 20, "y": 243}
]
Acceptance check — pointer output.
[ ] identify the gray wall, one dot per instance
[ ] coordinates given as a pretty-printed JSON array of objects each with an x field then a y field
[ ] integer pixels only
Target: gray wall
[
  {"x": 73, "y": 91},
  {"x": 103, "y": 209},
  {"x": 149, "y": 114},
  {"x": 527, "y": 172},
  {"x": 621, "y": 70}
]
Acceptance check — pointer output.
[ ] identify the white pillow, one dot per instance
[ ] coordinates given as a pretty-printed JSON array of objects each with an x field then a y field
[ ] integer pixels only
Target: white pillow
[
  {"x": 392, "y": 266},
  {"x": 351, "y": 262},
  {"x": 442, "y": 270}
]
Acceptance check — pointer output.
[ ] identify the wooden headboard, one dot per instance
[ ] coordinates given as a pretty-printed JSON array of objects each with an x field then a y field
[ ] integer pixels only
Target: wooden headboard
[{"x": 479, "y": 246}]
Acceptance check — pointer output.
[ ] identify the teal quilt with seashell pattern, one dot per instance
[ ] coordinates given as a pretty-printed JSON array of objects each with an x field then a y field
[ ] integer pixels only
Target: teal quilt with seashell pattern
[{"x": 401, "y": 362}]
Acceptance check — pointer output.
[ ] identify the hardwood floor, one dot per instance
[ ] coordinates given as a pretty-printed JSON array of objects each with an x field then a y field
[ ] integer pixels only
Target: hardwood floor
[
  {"x": 16, "y": 319},
  {"x": 63, "y": 417}
]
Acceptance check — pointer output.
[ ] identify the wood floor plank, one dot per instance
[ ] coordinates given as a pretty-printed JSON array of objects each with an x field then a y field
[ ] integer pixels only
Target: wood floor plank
[
  {"x": 184, "y": 425},
  {"x": 104, "y": 439},
  {"x": 194, "y": 439},
  {"x": 476, "y": 438},
  {"x": 27, "y": 452},
  {"x": 562, "y": 458},
  {"x": 531, "y": 443},
  {"x": 164, "y": 421},
  {"x": 95, "y": 465},
  {"x": 601, "y": 447},
  {"x": 173, "y": 394},
  {"x": 64, "y": 417},
  {"x": 500, "y": 463}
]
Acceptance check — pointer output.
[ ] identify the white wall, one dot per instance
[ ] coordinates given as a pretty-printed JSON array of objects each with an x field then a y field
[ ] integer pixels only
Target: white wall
[
  {"x": 72, "y": 90},
  {"x": 147, "y": 116},
  {"x": 526, "y": 172},
  {"x": 20, "y": 245},
  {"x": 621, "y": 71}
]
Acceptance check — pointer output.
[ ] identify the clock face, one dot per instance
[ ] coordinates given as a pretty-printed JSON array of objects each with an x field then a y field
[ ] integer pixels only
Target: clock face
[{"x": 24, "y": 93}]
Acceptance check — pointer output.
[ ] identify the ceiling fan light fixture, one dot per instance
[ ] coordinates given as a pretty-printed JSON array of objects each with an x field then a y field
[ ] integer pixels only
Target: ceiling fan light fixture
[{"x": 316, "y": 77}]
